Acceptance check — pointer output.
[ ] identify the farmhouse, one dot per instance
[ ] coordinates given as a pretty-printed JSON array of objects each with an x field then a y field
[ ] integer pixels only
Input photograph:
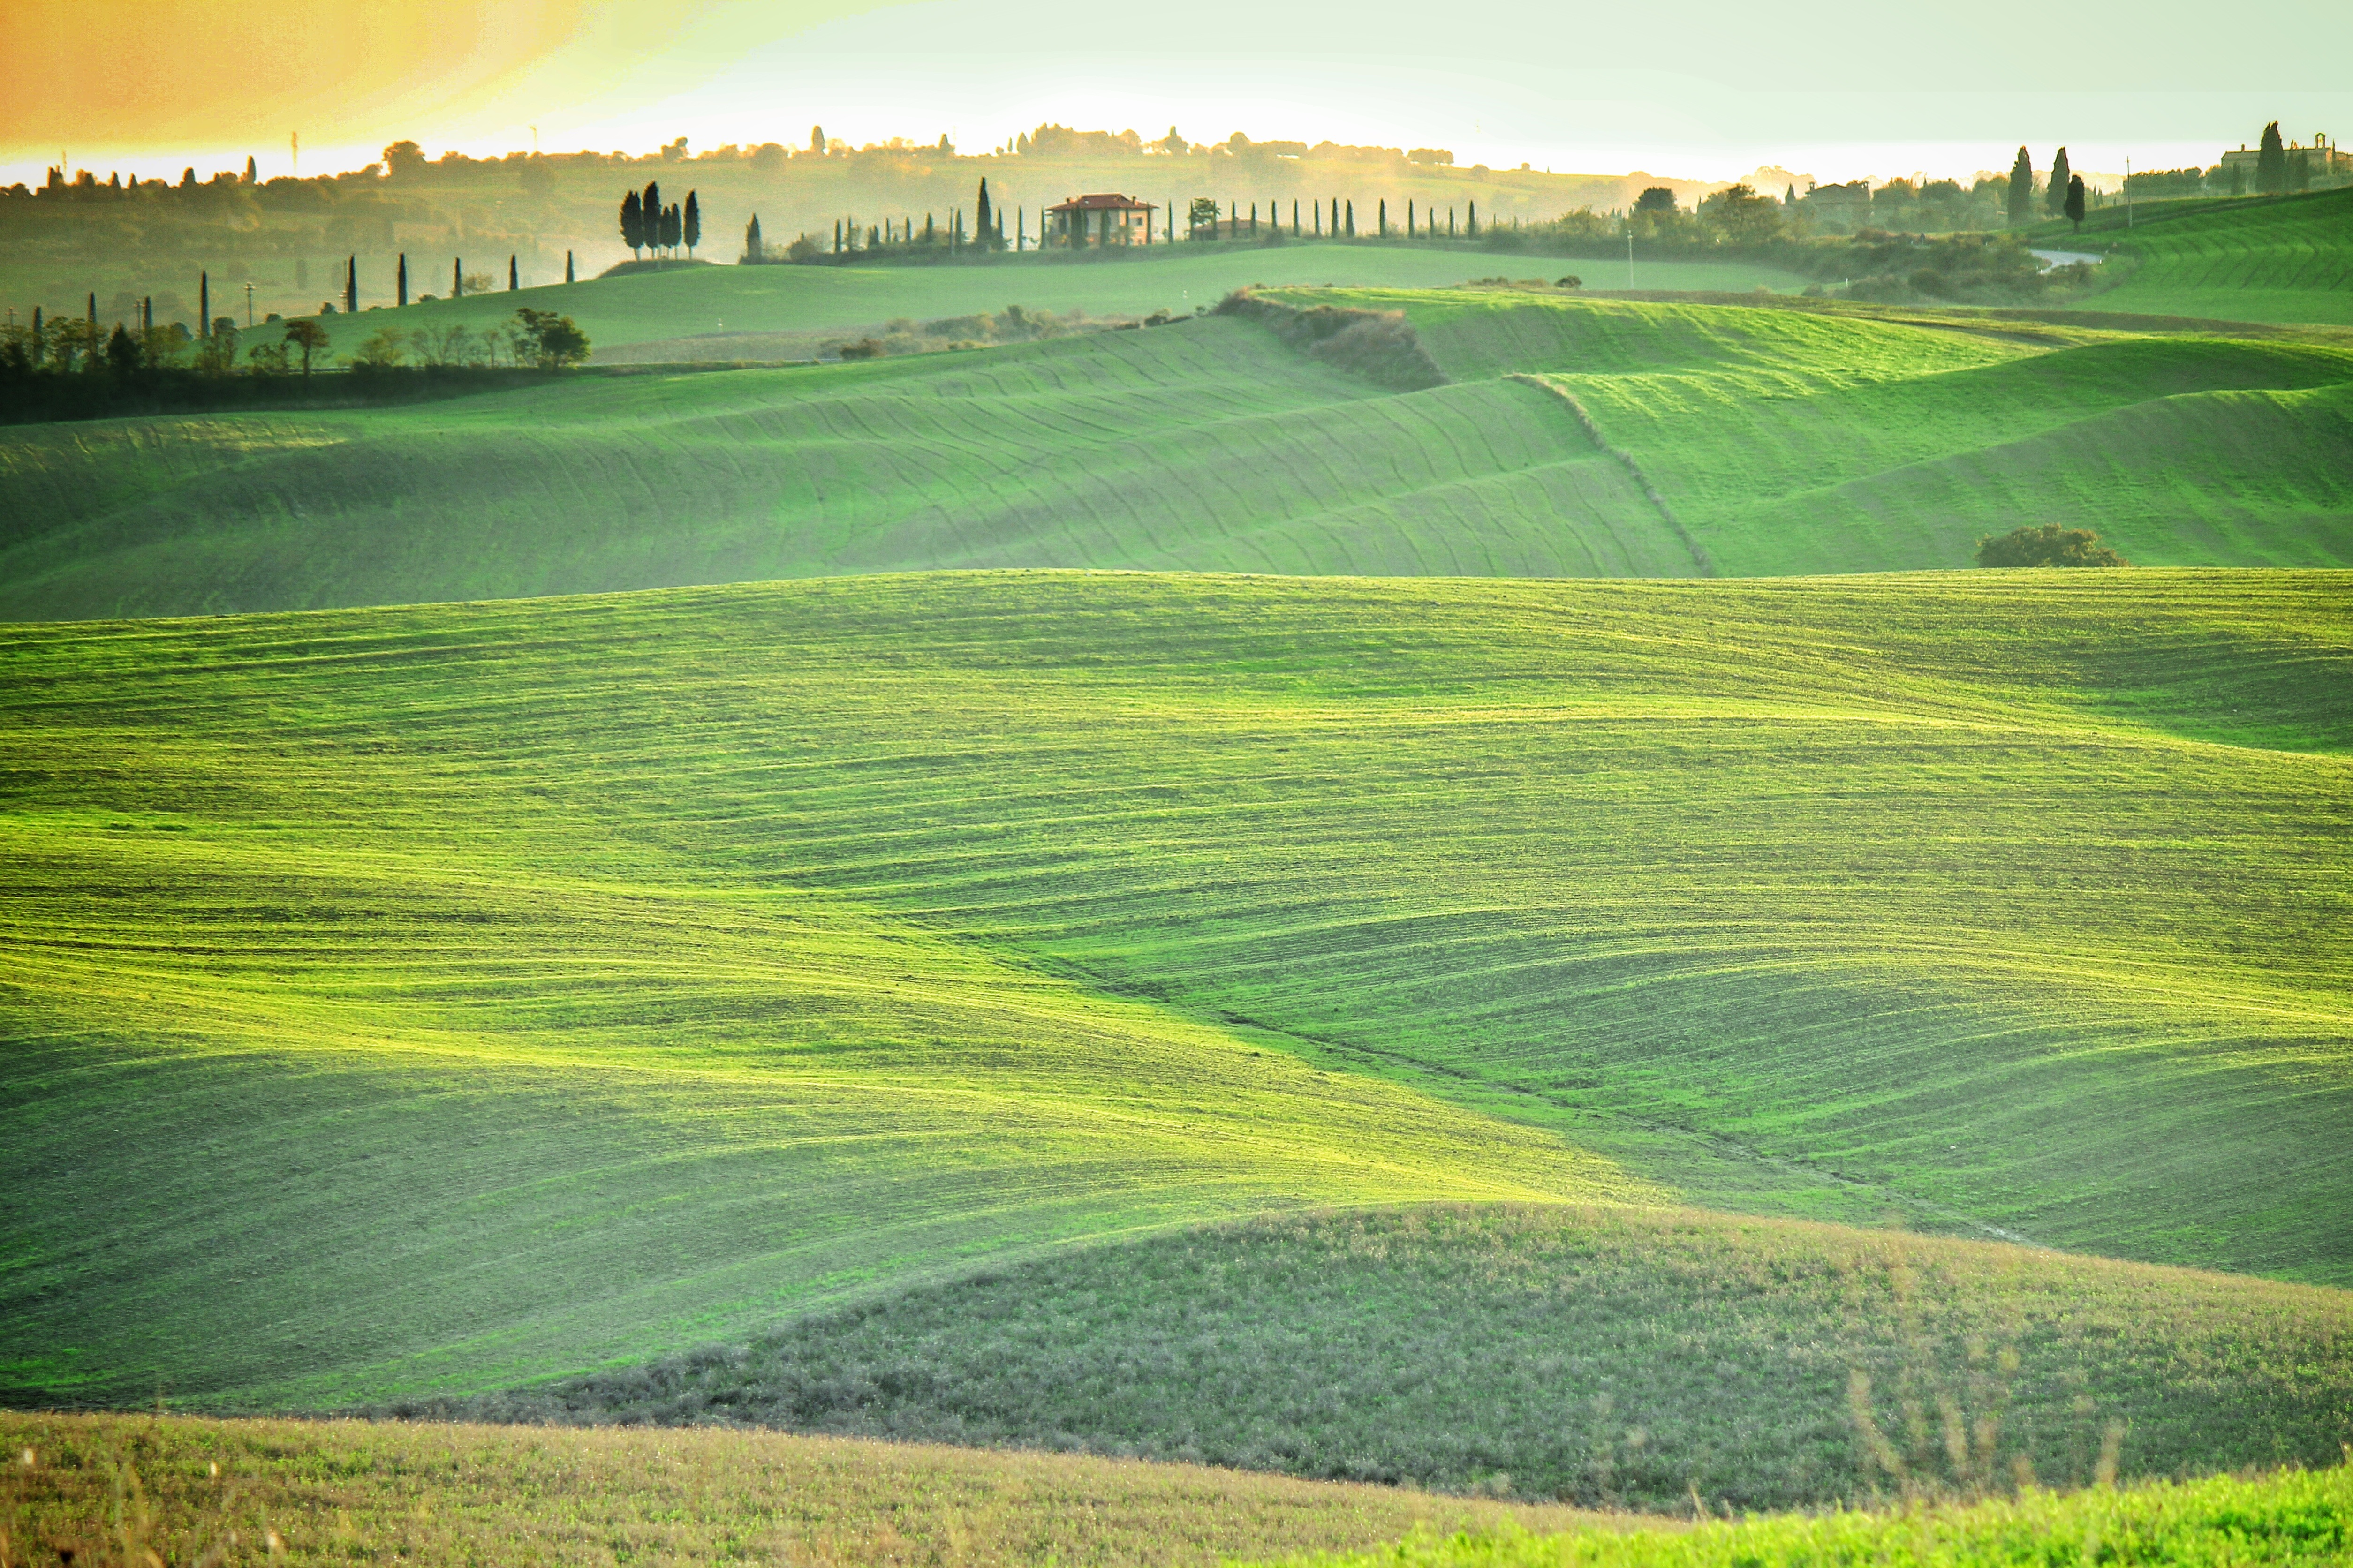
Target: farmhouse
[{"x": 1102, "y": 219}]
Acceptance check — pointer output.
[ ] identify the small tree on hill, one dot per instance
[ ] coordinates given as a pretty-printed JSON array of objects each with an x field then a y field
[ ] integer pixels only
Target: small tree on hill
[
  {"x": 2055, "y": 198},
  {"x": 2074, "y": 207},
  {"x": 816, "y": 140},
  {"x": 1202, "y": 216},
  {"x": 2021, "y": 188},
  {"x": 2271, "y": 162},
  {"x": 752, "y": 245},
  {"x": 2048, "y": 545},
  {"x": 550, "y": 341},
  {"x": 1657, "y": 199},
  {"x": 308, "y": 338}
]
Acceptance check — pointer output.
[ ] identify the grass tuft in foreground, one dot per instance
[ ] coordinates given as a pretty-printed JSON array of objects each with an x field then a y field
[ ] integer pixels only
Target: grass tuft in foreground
[{"x": 2293, "y": 1518}]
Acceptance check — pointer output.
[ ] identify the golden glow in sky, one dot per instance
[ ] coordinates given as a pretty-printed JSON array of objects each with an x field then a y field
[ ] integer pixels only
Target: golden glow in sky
[{"x": 1697, "y": 87}]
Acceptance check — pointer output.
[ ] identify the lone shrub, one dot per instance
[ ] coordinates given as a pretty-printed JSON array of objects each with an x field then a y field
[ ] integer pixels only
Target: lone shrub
[{"x": 2048, "y": 545}]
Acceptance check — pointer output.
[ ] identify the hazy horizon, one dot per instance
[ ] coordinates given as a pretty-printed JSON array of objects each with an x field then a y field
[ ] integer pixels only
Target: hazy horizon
[{"x": 155, "y": 86}]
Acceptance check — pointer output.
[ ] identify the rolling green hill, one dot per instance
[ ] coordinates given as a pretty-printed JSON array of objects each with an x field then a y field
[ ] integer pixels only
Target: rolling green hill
[
  {"x": 1207, "y": 445},
  {"x": 1762, "y": 441},
  {"x": 1511, "y": 1350},
  {"x": 2283, "y": 259},
  {"x": 693, "y": 301},
  {"x": 1797, "y": 441},
  {"x": 436, "y": 999}
]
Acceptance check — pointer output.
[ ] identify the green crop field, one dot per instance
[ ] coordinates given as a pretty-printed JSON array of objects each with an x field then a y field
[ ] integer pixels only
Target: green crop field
[
  {"x": 430, "y": 1001},
  {"x": 1774, "y": 440},
  {"x": 2287, "y": 258},
  {"x": 694, "y": 301}
]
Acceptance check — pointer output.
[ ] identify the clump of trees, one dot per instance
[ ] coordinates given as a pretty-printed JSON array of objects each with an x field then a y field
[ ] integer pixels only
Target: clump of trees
[
  {"x": 2047, "y": 545},
  {"x": 647, "y": 225},
  {"x": 534, "y": 339}
]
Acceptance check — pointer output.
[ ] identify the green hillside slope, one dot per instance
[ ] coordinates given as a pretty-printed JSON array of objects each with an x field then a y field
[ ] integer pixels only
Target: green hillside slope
[
  {"x": 1514, "y": 1350},
  {"x": 1207, "y": 445},
  {"x": 2289, "y": 258},
  {"x": 1778, "y": 440},
  {"x": 437, "y": 998},
  {"x": 692, "y": 301},
  {"x": 1789, "y": 441}
]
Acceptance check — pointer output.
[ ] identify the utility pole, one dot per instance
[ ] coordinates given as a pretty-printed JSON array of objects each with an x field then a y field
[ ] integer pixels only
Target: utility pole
[{"x": 248, "y": 307}]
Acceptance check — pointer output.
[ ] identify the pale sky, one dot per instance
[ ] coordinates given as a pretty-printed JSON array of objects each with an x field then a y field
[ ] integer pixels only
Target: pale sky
[{"x": 1704, "y": 89}]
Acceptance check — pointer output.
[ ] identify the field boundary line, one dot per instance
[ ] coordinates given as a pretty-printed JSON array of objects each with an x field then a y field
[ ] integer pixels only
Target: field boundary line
[{"x": 1625, "y": 460}]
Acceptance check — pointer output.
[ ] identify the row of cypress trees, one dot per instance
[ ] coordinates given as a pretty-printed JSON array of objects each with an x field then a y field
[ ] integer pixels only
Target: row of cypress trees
[{"x": 647, "y": 225}]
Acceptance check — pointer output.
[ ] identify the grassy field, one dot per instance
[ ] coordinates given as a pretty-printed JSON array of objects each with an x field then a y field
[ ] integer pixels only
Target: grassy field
[
  {"x": 2287, "y": 258},
  {"x": 436, "y": 999},
  {"x": 694, "y": 301},
  {"x": 1772, "y": 441},
  {"x": 1613, "y": 1357},
  {"x": 352, "y": 1492},
  {"x": 1792, "y": 441},
  {"x": 2222, "y": 1522}
]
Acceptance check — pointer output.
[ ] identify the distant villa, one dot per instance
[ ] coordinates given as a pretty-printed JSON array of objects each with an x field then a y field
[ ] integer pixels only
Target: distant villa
[
  {"x": 2329, "y": 165},
  {"x": 1105, "y": 218}
]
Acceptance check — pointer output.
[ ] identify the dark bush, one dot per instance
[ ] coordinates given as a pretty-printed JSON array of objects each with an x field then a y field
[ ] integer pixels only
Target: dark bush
[{"x": 2048, "y": 545}]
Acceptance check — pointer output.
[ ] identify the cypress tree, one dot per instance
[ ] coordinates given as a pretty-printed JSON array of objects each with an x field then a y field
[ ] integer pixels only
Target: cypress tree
[
  {"x": 1319, "y": 220},
  {"x": 1409, "y": 219},
  {"x": 633, "y": 223},
  {"x": 691, "y": 229},
  {"x": 351, "y": 285},
  {"x": 2238, "y": 180},
  {"x": 400, "y": 280},
  {"x": 751, "y": 245},
  {"x": 2271, "y": 164},
  {"x": 2299, "y": 170},
  {"x": 981, "y": 215},
  {"x": 204, "y": 308},
  {"x": 673, "y": 228},
  {"x": 1385, "y": 218},
  {"x": 567, "y": 267},
  {"x": 457, "y": 277},
  {"x": 652, "y": 202},
  {"x": 1294, "y": 219},
  {"x": 836, "y": 233},
  {"x": 2073, "y": 205},
  {"x": 252, "y": 173},
  {"x": 1471, "y": 225},
  {"x": 2021, "y": 188},
  {"x": 515, "y": 279},
  {"x": 1352, "y": 220},
  {"x": 2054, "y": 200}
]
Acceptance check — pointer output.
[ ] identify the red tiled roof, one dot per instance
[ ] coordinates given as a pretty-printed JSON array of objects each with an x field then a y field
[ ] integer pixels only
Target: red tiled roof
[{"x": 1097, "y": 203}]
